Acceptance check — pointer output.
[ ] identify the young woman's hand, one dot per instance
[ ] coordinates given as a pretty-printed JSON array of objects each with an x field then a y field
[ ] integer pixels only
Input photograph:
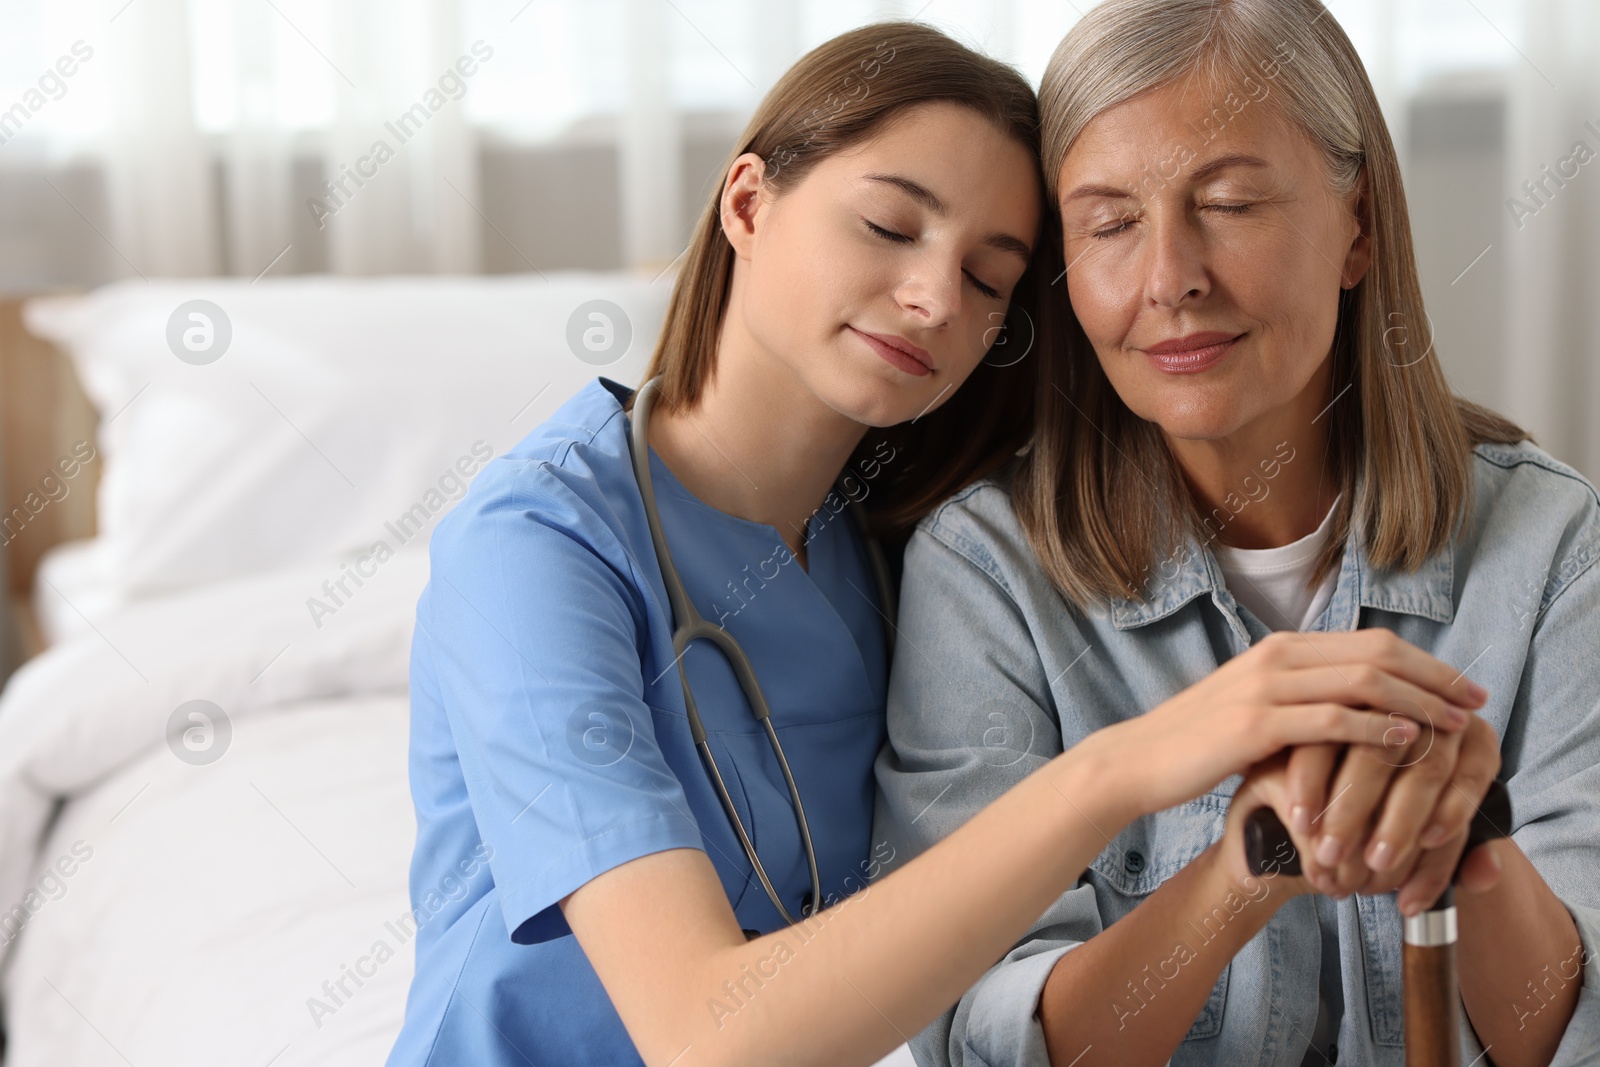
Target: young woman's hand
[
  {"x": 1373, "y": 820},
  {"x": 1366, "y": 687}
]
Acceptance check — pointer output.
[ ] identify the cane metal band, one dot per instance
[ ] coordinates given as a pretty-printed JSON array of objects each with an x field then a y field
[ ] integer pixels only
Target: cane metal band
[{"x": 1431, "y": 928}]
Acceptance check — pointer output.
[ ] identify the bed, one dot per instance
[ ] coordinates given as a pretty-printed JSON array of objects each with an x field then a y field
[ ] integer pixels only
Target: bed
[{"x": 205, "y": 822}]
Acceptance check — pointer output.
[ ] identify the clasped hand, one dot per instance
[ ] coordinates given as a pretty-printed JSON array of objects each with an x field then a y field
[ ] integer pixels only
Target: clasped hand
[
  {"x": 1368, "y": 748},
  {"x": 1371, "y": 819}
]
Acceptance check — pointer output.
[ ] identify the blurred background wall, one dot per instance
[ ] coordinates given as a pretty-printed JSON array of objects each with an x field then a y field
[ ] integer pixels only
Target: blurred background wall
[{"x": 146, "y": 138}]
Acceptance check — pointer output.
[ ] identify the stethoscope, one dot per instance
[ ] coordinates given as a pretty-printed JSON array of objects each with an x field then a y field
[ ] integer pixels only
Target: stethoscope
[{"x": 688, "y": 625}]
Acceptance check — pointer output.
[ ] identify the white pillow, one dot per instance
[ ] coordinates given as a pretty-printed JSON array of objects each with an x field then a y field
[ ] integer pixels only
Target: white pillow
[{"x": 340, "y": 407}]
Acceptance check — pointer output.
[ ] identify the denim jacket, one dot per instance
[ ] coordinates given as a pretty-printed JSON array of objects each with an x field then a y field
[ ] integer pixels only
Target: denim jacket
[{"x": 997, "y": 672}]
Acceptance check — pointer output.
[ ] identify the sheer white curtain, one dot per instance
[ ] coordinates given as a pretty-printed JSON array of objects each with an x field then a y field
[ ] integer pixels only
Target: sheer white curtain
[
  {"x": 1551, "y": 373},
  {"x": 158, "y": 170},
  {"x": 209, "y": 113},
  {"x": 211, "y": 123}
]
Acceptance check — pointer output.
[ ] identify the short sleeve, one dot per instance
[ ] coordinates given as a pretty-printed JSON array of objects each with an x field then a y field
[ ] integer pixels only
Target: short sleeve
[
  {"x": 536, "y": 627},
  {"x": 969, "y": 716}
]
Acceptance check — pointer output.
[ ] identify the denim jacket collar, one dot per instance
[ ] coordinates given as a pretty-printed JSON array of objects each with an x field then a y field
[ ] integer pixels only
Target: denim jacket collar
[{"x": 1193, "y": 570}]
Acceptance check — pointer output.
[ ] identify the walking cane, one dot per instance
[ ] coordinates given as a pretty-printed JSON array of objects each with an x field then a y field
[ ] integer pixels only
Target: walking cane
[{"x": 1432, "y": 997}]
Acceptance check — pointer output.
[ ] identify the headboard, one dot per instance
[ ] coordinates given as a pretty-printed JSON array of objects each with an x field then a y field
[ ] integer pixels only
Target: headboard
[{"x": 43, "y": 412}]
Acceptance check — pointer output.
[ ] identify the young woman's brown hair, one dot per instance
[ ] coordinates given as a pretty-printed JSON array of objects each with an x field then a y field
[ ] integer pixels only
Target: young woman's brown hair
[
  {"x": 1099, "y": 493},
  {"x": 835, "y": 97}
]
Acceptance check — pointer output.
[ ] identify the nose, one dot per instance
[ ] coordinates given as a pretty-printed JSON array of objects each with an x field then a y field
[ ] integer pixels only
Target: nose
[
  {"x": 931, "y": 290},
  {"x": 1175, "y": 268}
]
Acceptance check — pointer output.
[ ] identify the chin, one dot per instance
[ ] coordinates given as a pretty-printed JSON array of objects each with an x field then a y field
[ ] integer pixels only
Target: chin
[
  {"x": 873, "y": 393},
  {"x": 846, "y": 387},
  {"x": 871, "y": 399},
  {"x": 1192, "y": 421}
]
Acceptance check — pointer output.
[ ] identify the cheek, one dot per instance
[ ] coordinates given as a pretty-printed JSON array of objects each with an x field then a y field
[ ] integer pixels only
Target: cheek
[
  {"x": 990, "y": 333},
  {"x": 1284, "y": 283},
  {"x": 796, "y": 283},
  {"x": 1105, "y": 306},
  {"x": 1104, "y": 296}
]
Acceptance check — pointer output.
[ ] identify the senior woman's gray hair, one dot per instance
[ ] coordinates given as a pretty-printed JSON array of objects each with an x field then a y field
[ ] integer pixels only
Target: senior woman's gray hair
[
  {"x": 1399, "y": 447},
  {"x": 1288, "y": 50}
]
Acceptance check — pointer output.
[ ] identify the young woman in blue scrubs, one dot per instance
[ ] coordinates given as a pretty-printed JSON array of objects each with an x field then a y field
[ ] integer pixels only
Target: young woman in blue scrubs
[{"x": 582, "y": 896}]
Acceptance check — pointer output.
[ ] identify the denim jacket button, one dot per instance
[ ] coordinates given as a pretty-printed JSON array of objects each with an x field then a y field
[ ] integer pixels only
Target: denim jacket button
[{"x": 1133, "y": 862}]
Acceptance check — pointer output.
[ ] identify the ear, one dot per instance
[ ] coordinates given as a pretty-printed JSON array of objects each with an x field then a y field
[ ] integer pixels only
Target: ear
[
  {"x": 742, "y": 201},
  {"x": 1359, "y": 257}
]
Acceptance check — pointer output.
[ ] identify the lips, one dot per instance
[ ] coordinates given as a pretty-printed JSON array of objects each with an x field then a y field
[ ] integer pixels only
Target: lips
[
  {"x": 898, "y": 351},
  {"x": 1196, "y": 352}
]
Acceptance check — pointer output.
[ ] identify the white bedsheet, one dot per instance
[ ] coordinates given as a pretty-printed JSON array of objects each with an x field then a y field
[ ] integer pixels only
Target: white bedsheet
[
  {"x": 222, "y": 898},
  {"x": 207, "y": 903}
]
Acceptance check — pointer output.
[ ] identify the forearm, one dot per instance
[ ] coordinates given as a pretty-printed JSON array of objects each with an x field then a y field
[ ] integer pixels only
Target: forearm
[
  {"x": 884, "y": 963},
  {"x": 1130, "y": 993},
  {"x": 1520, "y": 963}
]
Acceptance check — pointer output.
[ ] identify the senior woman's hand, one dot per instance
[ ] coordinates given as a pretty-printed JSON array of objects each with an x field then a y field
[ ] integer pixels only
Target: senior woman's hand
[{"x": 1377, "y": 819}]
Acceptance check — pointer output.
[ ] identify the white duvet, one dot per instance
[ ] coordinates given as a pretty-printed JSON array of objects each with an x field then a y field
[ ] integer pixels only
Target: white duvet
[{"x": 179, "y": 913}]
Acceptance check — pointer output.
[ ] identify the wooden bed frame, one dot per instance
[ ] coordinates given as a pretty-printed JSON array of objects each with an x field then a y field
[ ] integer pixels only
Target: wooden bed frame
[{"x": 43, "y": 413}]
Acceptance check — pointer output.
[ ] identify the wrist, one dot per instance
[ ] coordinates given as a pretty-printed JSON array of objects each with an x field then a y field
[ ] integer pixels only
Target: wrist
[
  {"x": 1228, "y": 875},
  {"x": 1253, "y": 899},
  {"x": 1087, "y": 776}
]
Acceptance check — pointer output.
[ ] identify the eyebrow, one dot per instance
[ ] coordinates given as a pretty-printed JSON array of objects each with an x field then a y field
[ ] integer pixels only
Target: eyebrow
[
  {"x": 1233, "y": 159},
  {"x": 1005, "y": 242},
  {"x": 1200, "y": 173}
]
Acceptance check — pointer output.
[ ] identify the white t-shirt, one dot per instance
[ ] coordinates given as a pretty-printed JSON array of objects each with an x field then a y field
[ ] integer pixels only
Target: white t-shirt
[{"x": 1271, "y": 582}]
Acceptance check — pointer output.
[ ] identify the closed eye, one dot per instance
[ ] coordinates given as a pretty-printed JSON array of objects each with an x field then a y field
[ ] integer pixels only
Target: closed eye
[
  {"x": 901, "y": 239},
  {"x": 887, "y": 235},
  {"x": 987, "y": 291},
  {"x": 1112, "y": 231}
]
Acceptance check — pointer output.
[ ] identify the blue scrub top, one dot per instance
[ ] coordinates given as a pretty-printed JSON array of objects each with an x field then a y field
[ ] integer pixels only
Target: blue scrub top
[{"x": 548, "y": 736}]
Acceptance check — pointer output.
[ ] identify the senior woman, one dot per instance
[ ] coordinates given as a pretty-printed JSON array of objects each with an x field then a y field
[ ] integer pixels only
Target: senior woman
[{"x": 1242, "y": 429}]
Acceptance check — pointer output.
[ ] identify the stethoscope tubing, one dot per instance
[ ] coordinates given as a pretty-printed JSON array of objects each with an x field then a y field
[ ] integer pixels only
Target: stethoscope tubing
[{"x": 690, "y": 626}]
